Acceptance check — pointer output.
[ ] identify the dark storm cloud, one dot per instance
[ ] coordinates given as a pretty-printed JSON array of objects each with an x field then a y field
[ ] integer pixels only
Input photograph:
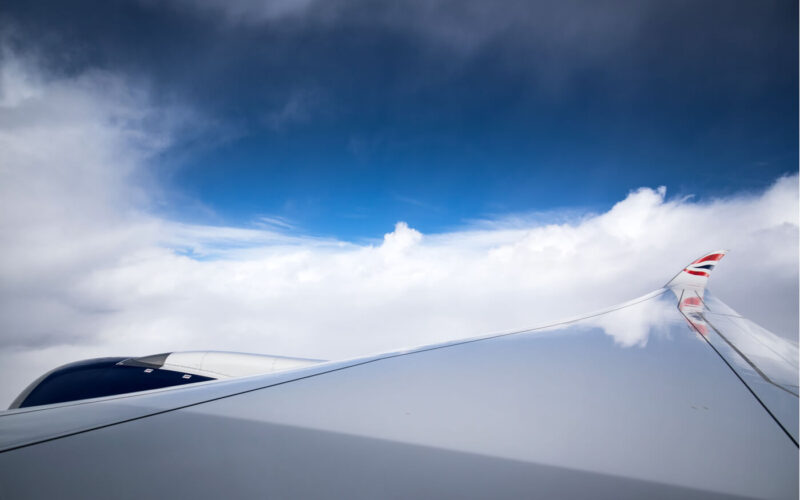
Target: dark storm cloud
[
  {"x": 228, "y": 53},
  {"x": 430, "y": 96}
]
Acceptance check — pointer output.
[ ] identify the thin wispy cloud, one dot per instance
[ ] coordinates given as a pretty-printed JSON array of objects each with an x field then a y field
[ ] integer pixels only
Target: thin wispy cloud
[{"x": 89, "y": 268}]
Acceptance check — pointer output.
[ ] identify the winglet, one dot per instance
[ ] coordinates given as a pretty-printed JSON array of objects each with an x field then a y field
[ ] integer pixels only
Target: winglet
[{"x": 695, "y": 275}]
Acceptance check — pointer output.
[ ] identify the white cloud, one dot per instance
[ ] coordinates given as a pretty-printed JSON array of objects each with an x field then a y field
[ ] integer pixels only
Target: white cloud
[{"x": 87, "y": 269}]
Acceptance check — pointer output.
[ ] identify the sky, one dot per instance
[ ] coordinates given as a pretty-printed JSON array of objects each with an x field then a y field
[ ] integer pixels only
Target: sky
[{"x": 329, "y": 179}]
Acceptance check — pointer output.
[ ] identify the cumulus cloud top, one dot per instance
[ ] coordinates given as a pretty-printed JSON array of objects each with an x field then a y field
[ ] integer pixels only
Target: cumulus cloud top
[{"x": 87, "y": 268}]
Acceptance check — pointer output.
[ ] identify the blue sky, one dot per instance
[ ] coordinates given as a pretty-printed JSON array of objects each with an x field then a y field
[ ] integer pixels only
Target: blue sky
[{"x": 344, "y": 117}]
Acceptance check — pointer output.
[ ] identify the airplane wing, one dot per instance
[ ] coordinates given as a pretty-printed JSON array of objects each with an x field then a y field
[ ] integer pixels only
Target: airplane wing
[{"x": 671, "y": 395}]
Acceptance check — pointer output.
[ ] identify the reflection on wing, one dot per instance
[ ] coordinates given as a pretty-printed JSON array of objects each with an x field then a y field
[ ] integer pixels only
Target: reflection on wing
[{"x": 765, "y": 363}]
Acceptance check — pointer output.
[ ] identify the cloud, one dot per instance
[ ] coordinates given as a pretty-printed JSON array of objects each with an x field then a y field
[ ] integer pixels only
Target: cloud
[
  {"x": 244, "y": 11},
  {"x": 298, "y": 109},
  {"x": 462, "y": 25},
  {"x": 564, "y": 36},
  {"x": 88, "y": 267}
]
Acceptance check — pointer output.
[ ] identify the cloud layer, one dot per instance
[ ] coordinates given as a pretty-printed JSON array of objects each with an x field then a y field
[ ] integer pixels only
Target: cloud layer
[{"x": 89, "y": 268}]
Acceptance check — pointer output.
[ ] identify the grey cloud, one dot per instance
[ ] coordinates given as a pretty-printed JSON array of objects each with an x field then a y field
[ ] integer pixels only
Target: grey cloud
[
  {"x": 241, "y": 11},
  {"x": 299, "y": 107}
]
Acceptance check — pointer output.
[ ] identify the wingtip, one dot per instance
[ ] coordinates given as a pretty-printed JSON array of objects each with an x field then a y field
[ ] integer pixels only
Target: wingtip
[{"x": 696, "y": 274}]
